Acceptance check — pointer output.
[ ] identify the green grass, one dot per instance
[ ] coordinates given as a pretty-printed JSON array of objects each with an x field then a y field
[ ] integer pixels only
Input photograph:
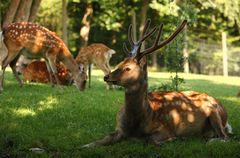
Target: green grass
[{"x": 61, "y": 120}]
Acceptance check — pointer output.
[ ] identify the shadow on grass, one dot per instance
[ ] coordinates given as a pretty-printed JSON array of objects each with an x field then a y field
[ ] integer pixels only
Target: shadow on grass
[
  {"x": 55, "y": 119},
  {"x": 61, "y": 120}
]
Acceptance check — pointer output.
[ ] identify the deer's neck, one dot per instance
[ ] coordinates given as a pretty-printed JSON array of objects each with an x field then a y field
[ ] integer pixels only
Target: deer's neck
[
  {"x": 69, "y": 61},
  {"x": 136, "y": 105},
  {"x": 136, "y": 95}
]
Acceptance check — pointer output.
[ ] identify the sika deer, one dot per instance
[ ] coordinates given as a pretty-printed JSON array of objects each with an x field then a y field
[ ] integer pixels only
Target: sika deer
[
  {"x": 41, "y": 43},
  {"x": 158, "y": 117},
  {"x": 37, "y": 71},
  {"x": 97, "y": 53}
]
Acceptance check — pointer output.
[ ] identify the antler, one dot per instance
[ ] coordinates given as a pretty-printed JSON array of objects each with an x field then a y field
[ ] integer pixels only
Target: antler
[
  {"x": 136, "y": 46},
  {"x": 156, "y": 46}
]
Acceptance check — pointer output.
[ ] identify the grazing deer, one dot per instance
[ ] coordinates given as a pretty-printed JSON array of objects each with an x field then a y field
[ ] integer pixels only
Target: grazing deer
[
  {"x": 97, "y": 53},
  {"x": 37, "y": 71},
  {"x": 41, "y": 43},
  {"x": 158, "y": 117}
]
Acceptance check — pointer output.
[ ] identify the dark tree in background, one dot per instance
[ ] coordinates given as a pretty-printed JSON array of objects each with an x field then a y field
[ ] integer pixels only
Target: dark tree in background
[
  {"x": 64, "y": 22},
  {"x": 21, "y": 10},
  {"x": 104, "y": 21}
]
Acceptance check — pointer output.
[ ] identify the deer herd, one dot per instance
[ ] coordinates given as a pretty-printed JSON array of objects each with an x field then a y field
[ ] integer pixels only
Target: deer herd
[{"x": 155, "y": 117}]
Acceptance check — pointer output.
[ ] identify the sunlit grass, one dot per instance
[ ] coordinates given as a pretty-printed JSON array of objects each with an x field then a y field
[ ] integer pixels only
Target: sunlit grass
[{"x": 60, "y": 120}]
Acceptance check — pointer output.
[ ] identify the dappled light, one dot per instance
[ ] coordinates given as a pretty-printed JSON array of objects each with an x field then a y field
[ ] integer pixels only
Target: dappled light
[
  {"x": 22, "y": 112},
  {"x": 190, "y": 117},
  {"x": 48, "y": 103},
  {"x": 175, "y": 116}
]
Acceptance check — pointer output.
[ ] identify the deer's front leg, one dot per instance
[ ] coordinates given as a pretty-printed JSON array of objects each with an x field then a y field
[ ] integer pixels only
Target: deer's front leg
[
  {"x": 50, "y": 72},
  {"x": 52, "y": 64},
  {"x": 108, "y": 140},
  {"x": 161, "y": 136}
]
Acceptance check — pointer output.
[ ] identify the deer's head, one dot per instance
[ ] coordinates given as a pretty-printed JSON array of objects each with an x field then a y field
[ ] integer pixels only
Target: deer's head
[
  {"x": 132, "y": 69},
  {"x": 80, "y": 79}
]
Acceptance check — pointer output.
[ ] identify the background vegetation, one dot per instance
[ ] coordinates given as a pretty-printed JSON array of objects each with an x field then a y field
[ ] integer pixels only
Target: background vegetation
[{"x": 110, "y": 20}]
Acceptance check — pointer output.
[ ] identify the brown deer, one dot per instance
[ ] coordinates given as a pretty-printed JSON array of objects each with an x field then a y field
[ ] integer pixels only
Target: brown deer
[
  {"x": 37, "y": 71},
  {"x": 41, "y": 43},
  {"x": 98, "y": 54},
  {"x": 158, "y": 117}
]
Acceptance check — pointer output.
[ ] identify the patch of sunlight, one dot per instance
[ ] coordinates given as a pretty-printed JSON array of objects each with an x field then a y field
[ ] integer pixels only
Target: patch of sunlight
[
  {"x": 24, "y": 112},
  {"x": 100, "y": 79},
  {"x": 231, "y": 80},
  {"x": 160, "y": 75},
  {"x": 97, "y": 72},
  {"x": 48, "y": 103},
  {"x": 232, "y": 99}
]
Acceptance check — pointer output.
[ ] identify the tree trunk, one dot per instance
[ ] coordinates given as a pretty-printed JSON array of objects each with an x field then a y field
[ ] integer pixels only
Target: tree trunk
[
  {"x": 185, "y": 52},
  {"x": 9, "y": 17},
  {"x": 86, "y": 21},
  {"x": 143, "y": 16},
  {"x": 64, "y": 22},
  {"x": 154, "y": 61},
  {"x": 225, "y": 56},
  {"x": 23, "y": 12},
  {"x": 134, "y": 32},
  {"x": 34, "y": 10}
]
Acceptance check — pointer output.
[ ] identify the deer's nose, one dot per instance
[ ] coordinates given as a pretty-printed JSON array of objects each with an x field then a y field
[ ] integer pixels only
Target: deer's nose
[{"x": 105, "y": 78}]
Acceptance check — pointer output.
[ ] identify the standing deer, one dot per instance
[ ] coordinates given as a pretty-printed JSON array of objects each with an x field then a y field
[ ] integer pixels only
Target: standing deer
[
  {"x": 158, "y": 117},
  {"x": 41, "y": 43},
  {"x": 97, "y": 53}
]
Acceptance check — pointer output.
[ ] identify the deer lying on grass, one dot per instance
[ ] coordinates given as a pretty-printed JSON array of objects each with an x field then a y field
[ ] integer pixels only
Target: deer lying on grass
[
  {"x": 97, "y": 53},
  {"x": 37, "y": 71},
  {"x": 41, "y": 43},
  {"x": 158, "y": 117}
]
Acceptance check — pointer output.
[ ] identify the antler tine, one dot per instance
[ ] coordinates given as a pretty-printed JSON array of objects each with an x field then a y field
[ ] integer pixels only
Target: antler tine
[
  {"x": 146, "y": 26},
  {"x": 156, "y": 40},
  {"x": 165, "y": 42},
  {"x": 149, "y": 34},
  {"x": 125, "y": 49},
  {"x": 130, "y": 39},
  {"x": 159, "y": 35},
  {"x": 143, "y": 36}
]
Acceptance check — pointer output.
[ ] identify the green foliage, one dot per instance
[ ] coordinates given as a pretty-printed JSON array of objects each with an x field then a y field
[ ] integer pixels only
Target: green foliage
[
  {"x": 61, "y": 120},
  {"x": 174, "y": 85},
  {"x": 110, "y": 21},
  {"x": 49, "y": 15}
]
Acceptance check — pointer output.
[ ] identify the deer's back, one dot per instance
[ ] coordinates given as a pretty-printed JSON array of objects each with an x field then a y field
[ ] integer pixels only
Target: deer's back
[
  {"x": 32, "y": 36},
  {"x": 93, "y": 52},
  {"x": 184, "y": 113}
]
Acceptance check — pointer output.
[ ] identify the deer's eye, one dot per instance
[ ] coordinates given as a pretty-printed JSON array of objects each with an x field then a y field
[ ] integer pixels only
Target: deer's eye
[{"x": 127, "y": 69}]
